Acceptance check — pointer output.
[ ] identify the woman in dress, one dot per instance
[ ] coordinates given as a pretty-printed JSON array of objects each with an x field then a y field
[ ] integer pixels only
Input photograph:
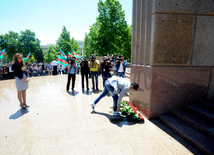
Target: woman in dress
[{"x": 21, "y": 79}]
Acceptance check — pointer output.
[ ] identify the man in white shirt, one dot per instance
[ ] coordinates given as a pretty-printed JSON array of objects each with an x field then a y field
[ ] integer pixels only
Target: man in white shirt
[
  {"x": 54, "y": 63},
  {"x": 121, "y": 67},
  {"x": 11, "y": 73},
  {"x": 114, "y": 86}
]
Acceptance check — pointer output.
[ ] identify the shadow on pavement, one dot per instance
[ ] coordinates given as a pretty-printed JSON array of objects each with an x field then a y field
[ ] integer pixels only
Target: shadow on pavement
[
  {"x": 175, "y": 136},
  {"x": 117, "y": 120},
  {"x": 19, "y": 113}
]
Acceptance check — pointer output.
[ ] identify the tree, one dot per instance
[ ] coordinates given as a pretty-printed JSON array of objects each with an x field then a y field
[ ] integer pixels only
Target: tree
[
  {"x": 9, "y": 42},
  {"x": 87, "y": 45},
  {"x": 51, "y": 53},
  {"x": 111, "y": 33},
  {"x": 91, "y": 40},
  {"x": 75, "y": 46},
  {"x": 27, "y": 42},
  {"x": 64, "y": 41},
  {"x": 66, "y": 44},
  {"x": 23, "y": 43}
]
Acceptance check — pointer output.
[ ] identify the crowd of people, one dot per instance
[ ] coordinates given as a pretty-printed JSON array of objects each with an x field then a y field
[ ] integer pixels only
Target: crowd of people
[
  {"x": 33, "y": 70},
  {"x": 89, "y": 68}
]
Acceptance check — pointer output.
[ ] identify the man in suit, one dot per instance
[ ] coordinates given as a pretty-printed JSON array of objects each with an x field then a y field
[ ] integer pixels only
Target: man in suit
[
  {"x": 10, "y": 72},
  {"x": 116, "y": 86},
  {"x": 84, "y": 72},
  {"x": 54, "y": 63}
]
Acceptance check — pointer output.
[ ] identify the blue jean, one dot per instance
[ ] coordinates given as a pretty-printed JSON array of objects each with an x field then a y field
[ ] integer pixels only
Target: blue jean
[
  {"x": 121, "y": 75},
  {"x": 108, "y": 88},
  {"x": 96, "y": 78}
]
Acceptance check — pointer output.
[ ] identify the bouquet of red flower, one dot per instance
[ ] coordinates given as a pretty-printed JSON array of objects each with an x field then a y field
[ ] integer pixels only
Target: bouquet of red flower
[{"x": 130, "y": 112}]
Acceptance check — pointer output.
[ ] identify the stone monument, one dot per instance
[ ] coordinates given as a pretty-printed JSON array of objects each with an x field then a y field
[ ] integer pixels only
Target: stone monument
[{"x": 172, "y": 54}]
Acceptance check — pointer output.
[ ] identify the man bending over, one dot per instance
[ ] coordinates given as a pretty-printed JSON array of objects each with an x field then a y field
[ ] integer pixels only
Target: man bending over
[{"x": 116, "y": 86}]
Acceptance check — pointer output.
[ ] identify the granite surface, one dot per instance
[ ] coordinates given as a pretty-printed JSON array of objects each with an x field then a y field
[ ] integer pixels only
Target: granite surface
[
  {"x": 164, "y": 89},
  {"x": 203, "y": 54},
  {"x": 173, "y": 36},
  {"x": 185, "y": 6},
  {"x": 58, "y": 123},
  {"x": 134, "y": 31},
  {"x": 211, "y": 86}
]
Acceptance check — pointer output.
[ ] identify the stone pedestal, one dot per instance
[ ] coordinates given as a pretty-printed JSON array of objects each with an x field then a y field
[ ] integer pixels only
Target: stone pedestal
[{"x": 172, "y": 54}]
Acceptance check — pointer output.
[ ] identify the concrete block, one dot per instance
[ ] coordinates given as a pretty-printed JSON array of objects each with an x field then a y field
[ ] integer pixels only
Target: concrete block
[
  {"x": 172, "y": 42},
  {"x": 203, "y": 47},
  {"x": 184, "y": 6}
]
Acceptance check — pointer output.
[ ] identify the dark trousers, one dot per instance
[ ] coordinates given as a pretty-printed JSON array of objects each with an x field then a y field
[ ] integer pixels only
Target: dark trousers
[
  {"x": 73, "y": 76},
  {"x": 54, "y": 70},
  {"x": 11, "y": 75},
  {"x": 4, "y": 76},
  {"x": 86, "y": 78}
]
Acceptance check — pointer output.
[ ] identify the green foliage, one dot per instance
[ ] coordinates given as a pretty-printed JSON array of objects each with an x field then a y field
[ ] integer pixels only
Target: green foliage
[
  {"x": 64, "y": 41},
  {"x": 66, "y": 44},
  {"x": 23, "y": 43},
  {"x": 74, "y": 46},
  {"x": 28, "y": 42},
  {"x": 111, "y": 33},
  {"x": 9, "y": 42},
  {"x": 129, "y": 112},
  {"x": 87, "y": 46},
  {"x": 51, "y": 53}
]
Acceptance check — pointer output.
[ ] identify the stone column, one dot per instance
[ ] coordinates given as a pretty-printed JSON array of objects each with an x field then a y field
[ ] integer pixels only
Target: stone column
[{"x": 172, "y": 54}]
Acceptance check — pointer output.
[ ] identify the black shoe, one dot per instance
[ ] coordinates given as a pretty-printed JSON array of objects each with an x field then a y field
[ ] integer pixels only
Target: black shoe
[{"x": 82, "y": 90}]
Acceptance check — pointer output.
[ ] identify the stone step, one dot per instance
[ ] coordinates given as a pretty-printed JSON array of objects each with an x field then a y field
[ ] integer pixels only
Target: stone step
[
  {"x": 205, "y": 126},
  {"x": 202, "y": 111},
  {"x": 190, "y": 134},
  {"x": 208, "y": 105}
]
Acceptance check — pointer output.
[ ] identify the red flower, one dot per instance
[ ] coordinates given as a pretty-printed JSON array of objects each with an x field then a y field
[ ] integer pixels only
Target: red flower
[{"x": 135, "y": 110}]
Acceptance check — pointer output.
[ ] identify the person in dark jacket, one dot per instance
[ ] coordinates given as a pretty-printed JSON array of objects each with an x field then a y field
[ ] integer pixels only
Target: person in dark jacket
[
  {"x": 105, "y": 67},
  {"x": 21, "y": 79},
  {"x": 5, "y": 70},
  {"x": 84, "y": 72}
]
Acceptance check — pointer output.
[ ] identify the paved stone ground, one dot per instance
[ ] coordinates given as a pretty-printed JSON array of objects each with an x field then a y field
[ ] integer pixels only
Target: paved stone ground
[{"x": 58, "y": 123}]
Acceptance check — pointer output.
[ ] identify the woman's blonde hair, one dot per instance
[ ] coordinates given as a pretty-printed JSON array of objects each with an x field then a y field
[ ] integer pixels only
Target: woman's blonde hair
[{"x": 21, "y": 65}]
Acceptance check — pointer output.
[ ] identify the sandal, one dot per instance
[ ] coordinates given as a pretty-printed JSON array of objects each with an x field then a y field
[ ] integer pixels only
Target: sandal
[
  {"x": 26, "y": 106},
  {"x": 23, "y": 107}
]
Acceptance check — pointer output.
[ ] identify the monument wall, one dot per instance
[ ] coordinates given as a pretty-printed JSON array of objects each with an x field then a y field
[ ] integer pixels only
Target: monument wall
[{"x": 172, "y": 54}]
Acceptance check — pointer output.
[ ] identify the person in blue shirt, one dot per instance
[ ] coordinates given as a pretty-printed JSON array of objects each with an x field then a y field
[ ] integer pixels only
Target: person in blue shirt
[
  {"x": 121, "y": 67},
  {"x": 116, "y": 86},
  {"x": 71, "y": 73}
]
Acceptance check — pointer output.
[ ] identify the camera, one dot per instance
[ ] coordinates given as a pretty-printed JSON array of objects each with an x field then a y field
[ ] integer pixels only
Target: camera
[
  {"x": 84, "y": 58},
  {"x": 71, "y": 60},
  {"x": 113, "y": 57},
  {"x": 92, "y": 58},
  {"x": 104, "y": 59},
  {"x": 119, "y": 59}
]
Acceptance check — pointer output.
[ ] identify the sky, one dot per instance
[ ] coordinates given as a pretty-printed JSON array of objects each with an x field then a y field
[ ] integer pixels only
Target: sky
[{"x": 47, "y": 17}]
